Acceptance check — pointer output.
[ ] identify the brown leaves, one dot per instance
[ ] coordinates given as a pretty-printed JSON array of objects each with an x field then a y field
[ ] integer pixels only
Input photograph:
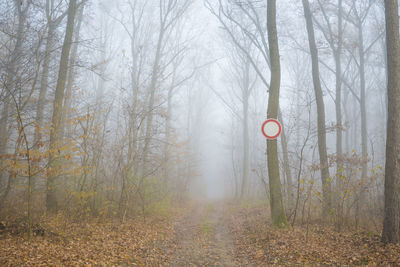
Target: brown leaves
[
  {"x": 93, "y": 244},
  {"x": 266, "y": 245},
  {"x": 240, "y": 236}
]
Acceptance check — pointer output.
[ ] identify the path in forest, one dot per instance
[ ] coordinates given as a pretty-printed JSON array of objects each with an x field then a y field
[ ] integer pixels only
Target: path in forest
[{"x": 203, "y": 238}]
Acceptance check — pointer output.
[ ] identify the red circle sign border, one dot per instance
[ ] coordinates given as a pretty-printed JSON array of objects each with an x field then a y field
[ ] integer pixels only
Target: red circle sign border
[{"x": 275, "y": 136}]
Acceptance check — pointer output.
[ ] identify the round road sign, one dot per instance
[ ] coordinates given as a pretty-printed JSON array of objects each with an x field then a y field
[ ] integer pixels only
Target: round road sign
[{"x": 271, "y": 129}]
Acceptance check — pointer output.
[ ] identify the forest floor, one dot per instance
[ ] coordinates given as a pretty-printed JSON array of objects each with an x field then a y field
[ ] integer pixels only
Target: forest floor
[{"x": 199, "y": 234}]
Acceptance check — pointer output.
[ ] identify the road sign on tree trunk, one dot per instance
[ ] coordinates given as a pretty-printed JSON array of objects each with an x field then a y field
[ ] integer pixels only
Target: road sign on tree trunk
[{"x": 271, "y": 129}]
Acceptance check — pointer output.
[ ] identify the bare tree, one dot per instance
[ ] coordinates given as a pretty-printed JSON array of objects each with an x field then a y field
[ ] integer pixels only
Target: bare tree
[
  {"x": 53, "y": 22},
  {"x": 170, "y": 12},
  {"x": 66, "y": 114},
  {"x": 12, "y": 65},
  {"x": 358, "y": 18},
  {"x": 323, "y": 157},
  {"x": 51, "y": 199},
  {"x": 335, "y": 41}
]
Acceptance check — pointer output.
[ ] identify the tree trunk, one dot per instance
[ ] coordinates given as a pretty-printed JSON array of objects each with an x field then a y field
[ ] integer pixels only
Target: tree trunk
[
  {"x": 277, "y": 212},
  {"x": 391, "y": 222},
  {"x": 339, "y": 126},
  {"x": 52, "y": 24},
  {"x": 44, "y": 81},
  {"x": 245, "y": 177},
  {"x": 323, "y": 157},
  {"x": 338, "y": 97},
  {"x": 168, "y": 132},
  {"x": 51, "y": 200},
  {"x": 245, "y": 99},
  {"x": 10, "y": 82},
  {"x": 286, "y": 167},
  {"x": 364, "y": 144},
  {"x": 66, "y": 128},
  {"x": 152, "y": 89}
]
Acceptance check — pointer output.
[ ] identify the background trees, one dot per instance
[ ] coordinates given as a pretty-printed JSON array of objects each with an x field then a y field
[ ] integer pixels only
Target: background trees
[
  {"x": 104, "y": 147},
  {"x": 123, "y": 108}
]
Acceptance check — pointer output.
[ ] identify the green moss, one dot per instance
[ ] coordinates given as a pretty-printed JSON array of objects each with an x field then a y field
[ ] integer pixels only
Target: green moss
[{"x": 281, "y": 221}]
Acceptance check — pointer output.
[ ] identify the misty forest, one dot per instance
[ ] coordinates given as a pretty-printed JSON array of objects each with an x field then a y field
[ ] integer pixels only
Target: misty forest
[{"x": 199, "y": 132}]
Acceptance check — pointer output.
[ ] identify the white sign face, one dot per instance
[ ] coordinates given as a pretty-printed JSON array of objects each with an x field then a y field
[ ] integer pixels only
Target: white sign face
[{"x": 271, "y": 129}]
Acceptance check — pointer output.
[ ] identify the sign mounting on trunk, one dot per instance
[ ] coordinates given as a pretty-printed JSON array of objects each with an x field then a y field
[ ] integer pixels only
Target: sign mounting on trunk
[{"x": 271, "y": 129}]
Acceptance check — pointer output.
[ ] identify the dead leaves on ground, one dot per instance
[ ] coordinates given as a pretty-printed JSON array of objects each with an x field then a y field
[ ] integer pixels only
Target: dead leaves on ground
[
  {"x": 132, "y": 243},
  {"x": 265, "y": 245},
  {"x": 165, "y": 241}
]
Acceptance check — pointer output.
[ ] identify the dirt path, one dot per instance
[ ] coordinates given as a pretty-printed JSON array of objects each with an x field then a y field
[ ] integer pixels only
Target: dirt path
[{"x": 203, "y": 239}]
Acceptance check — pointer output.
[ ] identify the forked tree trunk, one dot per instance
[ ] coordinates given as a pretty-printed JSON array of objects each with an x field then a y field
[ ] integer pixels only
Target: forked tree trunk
[
  {"x": 51, "y": 200},
  {"x": 52, "y": 24}
]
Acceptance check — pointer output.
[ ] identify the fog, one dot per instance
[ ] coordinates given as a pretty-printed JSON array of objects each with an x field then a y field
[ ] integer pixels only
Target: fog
[
  {"x": 199, "y": 132},
  {"x": 122, "y": 107}
]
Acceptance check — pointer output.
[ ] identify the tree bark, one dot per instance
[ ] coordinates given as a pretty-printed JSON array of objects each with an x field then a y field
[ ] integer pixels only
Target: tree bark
[
  {"x": 338, "y": 97},
  {"x": 44, "y": 81},
  {"x": 277, "y": 212},
  {"x": 391, "y": 222},
  {"x": 339, "y": 127},
  {"x": 323, "y": 157},
  {"x": 52, "y": 24},
  {"x": 364, "y": 144},
  {"x": 65, "y": 130},
  {"x": 51, "y": 200},
  {"x": 245, "y": 102}
]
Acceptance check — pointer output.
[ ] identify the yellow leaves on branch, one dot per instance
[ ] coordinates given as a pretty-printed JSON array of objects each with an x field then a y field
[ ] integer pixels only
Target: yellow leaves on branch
[
  {"x": 27, "y": 162},
  {"x": 83, "y": 118}
]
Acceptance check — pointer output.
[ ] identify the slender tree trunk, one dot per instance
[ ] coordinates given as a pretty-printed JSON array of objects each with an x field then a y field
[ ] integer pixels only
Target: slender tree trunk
[
  {"x": 66, "y": 127},
  {"x": 44, "y": 81},
  {"x": 277, "y": 212},
  {"x": 245, "y": 101},
  {"x": 384, "y": 48},
  {"x": 347, "y": 118},
  {"x": 245, "y": 178},
  {"x": 286, "y": 166},
  {"x": 168, "y": 133},
  {"x": 323, "y": 157},
  {"x": 339, "y": 126},
  {"x": 99, "y": 120},
  {"x": 152, "y": 89},
  {"x": 10, "y": 82},
  {"x": 4, "y": 195},
  {"x": 51, "y": 200},
  {"x": 338, "y": 97},
  {"x": 364, "y": 144},
  {"x": 391, "y": 222}
]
